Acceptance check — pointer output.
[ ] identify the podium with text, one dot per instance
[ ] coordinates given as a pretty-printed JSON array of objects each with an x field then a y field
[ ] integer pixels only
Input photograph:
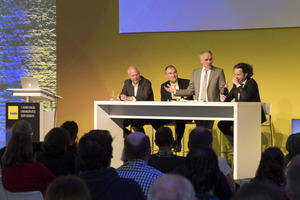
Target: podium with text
[
  {"x": 32, "y": 110},
  {"x": 109, "y": 115}
]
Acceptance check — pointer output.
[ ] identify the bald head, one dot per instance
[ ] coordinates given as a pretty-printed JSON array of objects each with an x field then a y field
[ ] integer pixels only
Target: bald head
[
  {"x": 133, "y": 69},
  {"x": 136, "y": 138},
  {"x": 134, "y": 74},
  {"x": 172, "y": 187},
  {"x": 137, "y": 146}
]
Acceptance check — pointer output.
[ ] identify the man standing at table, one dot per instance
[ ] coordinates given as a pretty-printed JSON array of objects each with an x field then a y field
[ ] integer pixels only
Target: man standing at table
[
  {"x": 206, "y": 83},
  {"x": 136, "y": 88},
  {"x": 176, "y": 83}
]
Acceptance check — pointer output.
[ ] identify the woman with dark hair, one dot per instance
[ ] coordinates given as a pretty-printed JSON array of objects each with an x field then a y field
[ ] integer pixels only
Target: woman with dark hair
[
  {"x": 202, "y": 169},
  {"x": 20, "y": 173},
  {"x": 271, "y": 169},
  {"x": 72, "y": 129},
  {"x": 55, "y": 156},
  {"x": 293, "y": 147}
]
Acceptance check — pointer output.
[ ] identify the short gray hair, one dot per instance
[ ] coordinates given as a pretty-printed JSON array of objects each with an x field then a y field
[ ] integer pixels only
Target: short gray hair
[{"x": 205, "y": 51}]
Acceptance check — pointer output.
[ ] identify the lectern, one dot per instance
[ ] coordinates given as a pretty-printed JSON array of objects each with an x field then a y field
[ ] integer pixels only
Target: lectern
[{"x": 32, "y": 110}]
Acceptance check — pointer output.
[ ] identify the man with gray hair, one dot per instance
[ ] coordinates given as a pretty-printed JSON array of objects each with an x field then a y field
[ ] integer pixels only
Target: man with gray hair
[
  {"x": 172, "y": 187},
  {"x": 293, "y": 179},
  {"x": 206, "y": 83}
]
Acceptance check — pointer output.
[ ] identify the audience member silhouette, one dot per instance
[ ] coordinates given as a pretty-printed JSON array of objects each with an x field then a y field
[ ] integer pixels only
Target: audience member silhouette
[
  {"x": 201, "y": 137},
  {"x": 95, "y": 152},
  {"x": 137, "y": 152},
  {"x": 293, "y": 179},
  {"x": 20, "y": 173},
  {"x": 293, "y": 147},
  {"x": 72, "y": 128},
  {"x": 258, "y": 191},
  {"x": 201, "y": 168},
  {"x": 68, "y": 187},
  {"x": 54, "y": 153},
  {"x": 271, "y": 169},
  {"x": 165, "y": 161},
  {"x": 22, "y": 126},
  {"x": 172, "y": 187}
]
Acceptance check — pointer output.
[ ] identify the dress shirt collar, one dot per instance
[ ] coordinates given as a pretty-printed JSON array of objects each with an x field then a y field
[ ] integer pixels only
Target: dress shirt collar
[
  {"x": 244, "y": 82},
  {"x": 164, "y": 154},
  {"x": 203, "y": 69},
  {"x": 176, "y": 84}
]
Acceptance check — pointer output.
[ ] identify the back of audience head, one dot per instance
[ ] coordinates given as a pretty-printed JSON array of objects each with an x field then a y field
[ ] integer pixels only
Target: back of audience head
[
  {"x": 293, "y": 145},
  {"x": 18, "y": 150},
  {"x": 271, "y": 168},
  {"x": 95, "y": 149},
  {"x": 72, "y": 128},
  {"x": 56, "y": 141},
  {"x": 137, "y": 146},
  {"x": 172, "y": 187},
  {"x": 164, "y": 137},
  {"x": 68, "y": 188},
  {"x": 293, "y": 179},
  {"x": 202, "y": 169},
  {"x": 199, "y": 138},
  {"x": 258, "y": 191},
  {"x": 22, "y": 126}
]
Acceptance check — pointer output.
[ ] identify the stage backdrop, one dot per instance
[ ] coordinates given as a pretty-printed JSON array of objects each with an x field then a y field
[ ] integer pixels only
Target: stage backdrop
[
  {"x": 93, "y": 57},
  {"x": 27, "y": 48}
]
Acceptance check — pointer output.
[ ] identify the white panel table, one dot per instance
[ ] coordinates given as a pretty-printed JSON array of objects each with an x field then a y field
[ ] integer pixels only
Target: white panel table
[{"x": 109, "y": 115}]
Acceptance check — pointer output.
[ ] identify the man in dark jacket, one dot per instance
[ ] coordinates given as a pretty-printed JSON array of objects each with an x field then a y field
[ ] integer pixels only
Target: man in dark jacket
[
  {"x": 245, "y": 89},
  {"x": 177, "y": 83},
  {"x": 95, "y": 152},
  {"x": 136, "y": 88}
]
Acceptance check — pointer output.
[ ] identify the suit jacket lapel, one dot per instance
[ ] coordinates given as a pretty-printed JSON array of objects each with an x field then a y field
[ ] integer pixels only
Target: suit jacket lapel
[
  {"x": 168, "y": 94},
  {"x": 211, "y": 76},
  {"x": 179, "y": 83}
]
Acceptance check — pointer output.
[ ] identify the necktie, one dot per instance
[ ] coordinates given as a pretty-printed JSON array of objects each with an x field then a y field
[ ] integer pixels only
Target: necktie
[
  {"x": 174, "y": 87},
  {"x": 204, "y": 85}
]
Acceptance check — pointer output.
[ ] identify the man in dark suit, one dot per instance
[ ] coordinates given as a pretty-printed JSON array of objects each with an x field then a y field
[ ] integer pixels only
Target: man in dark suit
[
  {"x": 136, "y": 88},
  {"x": 205, "y": 83},
  {"x": 245, "y": 89},
  {"x": 176, "y": 83}
]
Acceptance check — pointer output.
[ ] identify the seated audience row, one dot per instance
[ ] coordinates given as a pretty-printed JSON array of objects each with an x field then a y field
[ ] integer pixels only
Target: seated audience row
[{"x": 208, "y": 174}]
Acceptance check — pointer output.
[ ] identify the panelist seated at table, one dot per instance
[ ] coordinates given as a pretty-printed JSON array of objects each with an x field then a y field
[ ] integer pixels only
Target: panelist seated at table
[
  {"x": 205, "y": 83},
  {"x": 136, "y": 88},
  {"x": 245, "y": 89},
  {"x": 176, "y": 83}
]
